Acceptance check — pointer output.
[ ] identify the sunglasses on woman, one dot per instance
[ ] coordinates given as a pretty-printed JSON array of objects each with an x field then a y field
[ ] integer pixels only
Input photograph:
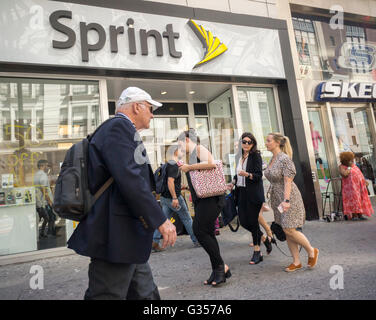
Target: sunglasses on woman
[{"x": 247, "y": 142}]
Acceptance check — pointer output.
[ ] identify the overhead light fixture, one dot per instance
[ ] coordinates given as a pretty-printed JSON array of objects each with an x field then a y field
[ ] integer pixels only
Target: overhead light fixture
[
  {"x": 163, "y": 92},
  {"x": 192, "y": 92}
]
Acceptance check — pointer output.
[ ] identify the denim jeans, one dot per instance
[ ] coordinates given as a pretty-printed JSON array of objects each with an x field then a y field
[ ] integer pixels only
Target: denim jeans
[{"x": 183, "y": 214}]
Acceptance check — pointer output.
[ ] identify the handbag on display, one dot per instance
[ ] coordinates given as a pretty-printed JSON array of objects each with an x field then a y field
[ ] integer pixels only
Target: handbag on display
[{"x": 209, "y": 183}]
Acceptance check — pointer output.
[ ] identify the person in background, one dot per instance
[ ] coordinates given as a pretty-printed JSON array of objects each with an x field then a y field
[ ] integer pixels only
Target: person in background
[
  {"x": 44, "y": 198},
  {"x": 206, "y": 209},
  {"x": 286, "y": 200},
  {"x": 355, "y": 199},
  {"x": 172, "y": 199},
  {"x": 249, "y": 192}
]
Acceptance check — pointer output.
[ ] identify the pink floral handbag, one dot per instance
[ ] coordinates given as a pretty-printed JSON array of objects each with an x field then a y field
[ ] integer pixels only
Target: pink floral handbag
[{"x": 209, "y": 183}]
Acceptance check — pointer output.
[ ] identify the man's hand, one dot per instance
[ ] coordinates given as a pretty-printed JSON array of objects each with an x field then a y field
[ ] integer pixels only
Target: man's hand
[
  {"x": 175, "y": 203},
  {"x": 168, "y": 232}
]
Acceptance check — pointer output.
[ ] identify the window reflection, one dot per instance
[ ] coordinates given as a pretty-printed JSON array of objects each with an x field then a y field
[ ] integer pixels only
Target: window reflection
[{"x": 40, "y": 120}]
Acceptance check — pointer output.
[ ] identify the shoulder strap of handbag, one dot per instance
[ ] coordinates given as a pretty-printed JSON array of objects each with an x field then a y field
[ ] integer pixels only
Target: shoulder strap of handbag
[{"x": 282, "y": 250}]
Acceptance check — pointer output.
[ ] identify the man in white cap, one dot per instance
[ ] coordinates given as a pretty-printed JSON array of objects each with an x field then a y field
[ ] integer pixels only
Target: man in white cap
[{"x": 117, "y": 233}]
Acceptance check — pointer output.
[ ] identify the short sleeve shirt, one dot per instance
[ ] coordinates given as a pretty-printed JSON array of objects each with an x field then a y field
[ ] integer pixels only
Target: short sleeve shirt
[
  {"x": 41, "y": 180},
  {"x": 172, "y": 171}
]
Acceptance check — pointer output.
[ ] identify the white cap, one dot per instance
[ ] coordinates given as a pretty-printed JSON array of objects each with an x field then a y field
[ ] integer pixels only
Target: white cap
[{"x": 134, "y": 94}]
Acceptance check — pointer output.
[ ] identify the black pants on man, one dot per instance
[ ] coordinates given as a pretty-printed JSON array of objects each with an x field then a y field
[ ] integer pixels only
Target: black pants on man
[{"x": 120, "y": 281}]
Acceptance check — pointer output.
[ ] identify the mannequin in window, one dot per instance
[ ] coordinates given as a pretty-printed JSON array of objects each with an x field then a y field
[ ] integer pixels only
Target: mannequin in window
[{"x": 316, "y": 138}]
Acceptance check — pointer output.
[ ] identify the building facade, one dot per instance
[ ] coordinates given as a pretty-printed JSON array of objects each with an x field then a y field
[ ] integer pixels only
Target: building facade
[{"x": 221, "y": 67}]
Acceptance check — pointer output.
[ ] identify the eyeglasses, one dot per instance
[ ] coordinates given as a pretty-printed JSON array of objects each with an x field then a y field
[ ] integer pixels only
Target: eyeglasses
[
  {"x": 247, "y": 142},
  {"x": 149, "y": 107}
]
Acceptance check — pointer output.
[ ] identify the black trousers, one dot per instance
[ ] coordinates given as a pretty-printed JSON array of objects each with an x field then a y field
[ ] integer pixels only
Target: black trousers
[
  {"x": 248, "y": 215},
  {"x": 120, "y": 281},
  {"x": 206, "y": 212},
  {"x": 43, "y": 214}
]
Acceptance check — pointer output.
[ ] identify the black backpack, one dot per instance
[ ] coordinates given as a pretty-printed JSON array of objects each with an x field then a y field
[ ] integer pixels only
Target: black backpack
[
  {"x": 73, "y": 199},
  {"x": 160, "y": 179}
]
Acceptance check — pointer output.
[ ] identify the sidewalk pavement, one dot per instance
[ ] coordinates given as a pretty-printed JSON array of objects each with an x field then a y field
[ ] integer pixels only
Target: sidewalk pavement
[{"x": 180, "y": 271}]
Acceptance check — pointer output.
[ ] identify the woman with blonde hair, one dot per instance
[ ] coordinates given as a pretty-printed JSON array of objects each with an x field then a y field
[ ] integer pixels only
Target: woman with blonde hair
[{"x": 286, "y": 200}]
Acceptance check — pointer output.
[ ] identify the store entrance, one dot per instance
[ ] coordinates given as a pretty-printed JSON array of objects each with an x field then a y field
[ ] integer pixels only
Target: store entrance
[
  {"x": 335, "y": 129},
  {"x": 206, "y": 107}
]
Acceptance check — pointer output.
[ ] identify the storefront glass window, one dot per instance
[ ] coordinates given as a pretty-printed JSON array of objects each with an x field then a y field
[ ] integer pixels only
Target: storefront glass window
[
  {"x": 352, "y": 128},
  {"x": 202, "y": 128},
  {"x": 338, "y": 54},
  {"x": 40, "y": 119},
  {"x": 163, "y": 132},
  {"x": 222, "y": 130},
  {"x": 318, "y": 141},
  {"x": 259, "y": 116}
]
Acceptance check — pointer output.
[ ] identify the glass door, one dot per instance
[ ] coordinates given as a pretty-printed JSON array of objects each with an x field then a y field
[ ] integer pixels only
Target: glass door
[
  {"x": 222, "y": 130},
  {"x": 259, "y": 116},
  {"x": 319, "y": 141},
  {"x": 353, "y": 132}
]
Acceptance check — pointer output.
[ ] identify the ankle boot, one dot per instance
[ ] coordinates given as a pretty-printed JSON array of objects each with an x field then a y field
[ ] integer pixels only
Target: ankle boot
[
  {"x": 219, "y": 275},
  {"x": 256, "y": 258}
]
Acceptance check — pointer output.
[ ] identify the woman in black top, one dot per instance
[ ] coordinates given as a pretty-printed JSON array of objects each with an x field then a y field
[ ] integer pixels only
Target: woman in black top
[
  {"x": 206, "y": 209},
  {"x": 249, "y": 192}
]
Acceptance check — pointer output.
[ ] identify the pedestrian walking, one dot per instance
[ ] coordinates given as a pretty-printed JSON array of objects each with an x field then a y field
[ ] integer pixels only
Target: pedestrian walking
[
  {"x": 118, "y": 231},
  {"x": 44, "y": 198},
  {"x": 355, "y": 198},
  {"x": 286, "y": 200},
  {"x": 206, "y": 209},
  {"x": 249, "y": 192},
  {"x": 172, "y": 200}
]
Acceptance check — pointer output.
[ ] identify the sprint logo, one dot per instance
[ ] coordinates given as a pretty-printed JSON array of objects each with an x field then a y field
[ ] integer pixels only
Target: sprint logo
[{"x": 212, "y": 45}]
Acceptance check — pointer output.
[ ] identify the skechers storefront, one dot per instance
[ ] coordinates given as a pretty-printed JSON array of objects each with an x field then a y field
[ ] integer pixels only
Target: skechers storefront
[
  {"x": 64, "y": 64},
  {"x": 337, "y": 67}
]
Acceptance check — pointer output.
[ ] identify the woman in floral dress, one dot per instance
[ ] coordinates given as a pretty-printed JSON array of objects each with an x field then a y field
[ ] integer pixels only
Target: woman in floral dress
[
  {"x": 286, "y": 200},
  {"x": 355, "y": 197}
]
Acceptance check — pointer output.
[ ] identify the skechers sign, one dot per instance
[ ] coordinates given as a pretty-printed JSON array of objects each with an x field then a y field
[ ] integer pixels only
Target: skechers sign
[{"x": 346, "y": 91}]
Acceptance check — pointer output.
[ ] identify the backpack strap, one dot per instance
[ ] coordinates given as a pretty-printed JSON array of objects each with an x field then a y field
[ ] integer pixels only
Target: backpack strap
[
  {"x": 103, "y": 188},
  {"x": 108, "y": 183},
  {"x": 90, "y": 136}
]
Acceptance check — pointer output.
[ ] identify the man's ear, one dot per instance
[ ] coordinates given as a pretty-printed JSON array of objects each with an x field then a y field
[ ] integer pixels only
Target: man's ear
[{"x": 136, "y": 108}]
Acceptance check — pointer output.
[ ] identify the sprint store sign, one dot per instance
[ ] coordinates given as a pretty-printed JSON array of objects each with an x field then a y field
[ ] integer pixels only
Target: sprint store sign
[{"x": 58, "y": 33}]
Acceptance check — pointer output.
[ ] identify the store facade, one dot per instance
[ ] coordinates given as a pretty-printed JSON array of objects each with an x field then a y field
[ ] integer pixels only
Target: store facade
[
  {"x": 63, "y": 65},
  {"x": 337, "y": 69}
]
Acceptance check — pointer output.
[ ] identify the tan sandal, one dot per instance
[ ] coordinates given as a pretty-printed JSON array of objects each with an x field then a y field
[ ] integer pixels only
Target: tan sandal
[
  {"x": 292, "y": 267},
  {"x": 313, "y": 261}
]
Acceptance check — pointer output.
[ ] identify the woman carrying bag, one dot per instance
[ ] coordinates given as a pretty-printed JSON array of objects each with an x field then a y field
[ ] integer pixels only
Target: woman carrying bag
[
  {"x": 249, "y": 192},
  {"x": 286, "y": 200},
  {"x": 206, "y": 209}
]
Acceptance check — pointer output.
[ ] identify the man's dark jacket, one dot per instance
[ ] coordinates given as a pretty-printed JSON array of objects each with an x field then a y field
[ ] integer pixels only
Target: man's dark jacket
[{"x": 119, "y": 228}]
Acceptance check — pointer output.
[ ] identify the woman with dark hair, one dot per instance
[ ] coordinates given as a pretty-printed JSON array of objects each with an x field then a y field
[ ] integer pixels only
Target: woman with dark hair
[
  {"x": 206, "y": 209},
  {"x": 355, "y": 199},
  {"x": 249, "y": 192}
]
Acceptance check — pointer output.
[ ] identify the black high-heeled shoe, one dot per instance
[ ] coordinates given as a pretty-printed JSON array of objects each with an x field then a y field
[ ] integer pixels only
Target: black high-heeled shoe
[
  {"x": 256, "y": 258},
  {"x": 268, "y": 245},
  {"x": 212, "y": 276},
  {"x": 220, "y": 275}
]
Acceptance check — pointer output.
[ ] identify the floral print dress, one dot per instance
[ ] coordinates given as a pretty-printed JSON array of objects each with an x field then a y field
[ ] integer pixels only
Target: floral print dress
[
  {"x": 283, "y": 167},
  {"x": 355, "y": 197}
]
